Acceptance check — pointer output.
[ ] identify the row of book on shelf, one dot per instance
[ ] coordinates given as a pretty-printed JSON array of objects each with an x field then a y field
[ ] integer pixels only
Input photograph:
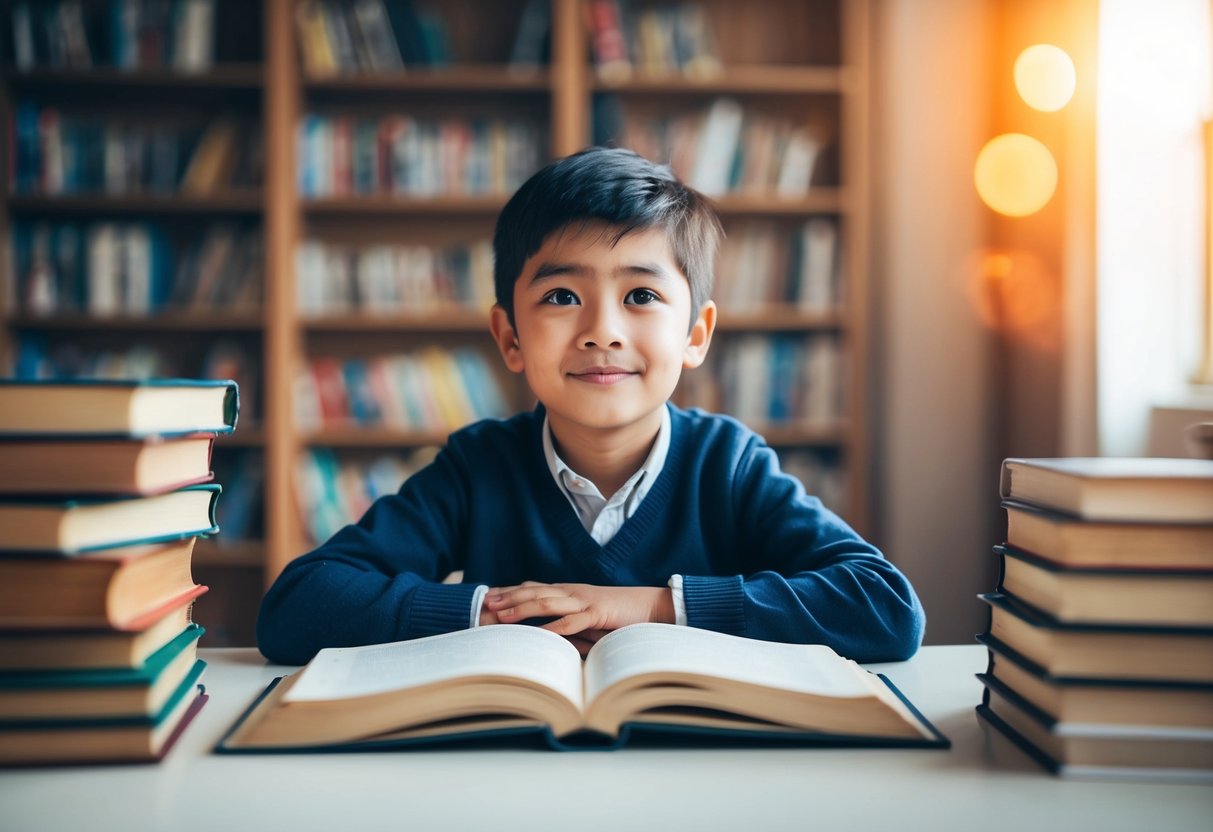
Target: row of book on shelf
[
  {"x": 430, "y": 389},
  {"x": 723, "y": 147},
  {"x": 124, "y": 34},
  {"x": 59, "y": 153},
  {"x": 655, "y": 39},
  {"x": 764, "y": 264},
  {"x": 771, "y": 380},
  {"x": 104, "y": 489},
  {"x": 399, "y": 153},
  {"x": 342, "y": 36},
  {"x": 134, "y": 268},
  {"x": 1100, "y": 636},
  {"x": 388, "y": 278}
]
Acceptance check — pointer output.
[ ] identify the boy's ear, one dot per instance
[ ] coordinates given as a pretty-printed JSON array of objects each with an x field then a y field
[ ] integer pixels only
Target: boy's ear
[
  {"x": 700, "y": 337},
  {"x": 506, "y": 338}
]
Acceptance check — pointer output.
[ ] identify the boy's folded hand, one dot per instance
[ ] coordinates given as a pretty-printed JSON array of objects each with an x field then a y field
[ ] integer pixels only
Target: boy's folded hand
[{"x": 578, "y": 609}]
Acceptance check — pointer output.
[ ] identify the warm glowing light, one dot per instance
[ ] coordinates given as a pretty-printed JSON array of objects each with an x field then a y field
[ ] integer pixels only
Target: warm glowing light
[
  {"x": 1044, "y": 76},
  {"x": 1015, "y": 174}
]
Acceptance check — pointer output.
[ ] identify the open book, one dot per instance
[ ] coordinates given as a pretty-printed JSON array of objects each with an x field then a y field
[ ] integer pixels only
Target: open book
[{"x": 643, "y": 679}]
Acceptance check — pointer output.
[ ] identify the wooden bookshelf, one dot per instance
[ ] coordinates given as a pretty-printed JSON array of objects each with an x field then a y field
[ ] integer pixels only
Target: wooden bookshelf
[{"x": 803, "y": 58}]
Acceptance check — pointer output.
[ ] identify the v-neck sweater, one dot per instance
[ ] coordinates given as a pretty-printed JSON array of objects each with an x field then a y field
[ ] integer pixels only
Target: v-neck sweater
[{"x": 759, "y": 556}]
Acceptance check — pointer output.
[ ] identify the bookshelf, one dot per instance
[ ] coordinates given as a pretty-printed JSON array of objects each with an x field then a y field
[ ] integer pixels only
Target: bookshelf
[{"x": 380, "y": 226}]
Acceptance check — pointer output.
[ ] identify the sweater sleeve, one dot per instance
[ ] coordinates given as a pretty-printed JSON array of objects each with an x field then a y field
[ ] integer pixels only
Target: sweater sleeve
[
  {"x": 378, "y": 580},
  {"x": 806, "y": 576}
]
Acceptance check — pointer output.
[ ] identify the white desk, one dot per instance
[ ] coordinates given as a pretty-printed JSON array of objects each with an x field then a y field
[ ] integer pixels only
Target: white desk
[{"x": 982, "y": 783}]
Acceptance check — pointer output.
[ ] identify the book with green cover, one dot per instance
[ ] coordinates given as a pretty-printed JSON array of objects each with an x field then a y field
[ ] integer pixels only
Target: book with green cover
[
  {"x": 117, "y": 408},
  {"x": 35, "y": 524},
  {"x": 109, "y": 739},
  {"x": 109, "y": 692}
]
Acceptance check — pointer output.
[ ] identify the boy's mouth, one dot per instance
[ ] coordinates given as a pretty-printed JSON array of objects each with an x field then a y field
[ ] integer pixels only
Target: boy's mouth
[{"x": 602, "y": 375}]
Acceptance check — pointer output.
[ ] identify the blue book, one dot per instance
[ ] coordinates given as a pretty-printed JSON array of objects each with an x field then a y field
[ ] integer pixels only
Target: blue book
[{"x": 130, "y": 408}]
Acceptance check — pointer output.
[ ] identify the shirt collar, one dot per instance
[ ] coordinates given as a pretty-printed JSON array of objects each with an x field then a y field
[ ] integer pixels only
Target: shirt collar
[{"x": 640, "y": 482}]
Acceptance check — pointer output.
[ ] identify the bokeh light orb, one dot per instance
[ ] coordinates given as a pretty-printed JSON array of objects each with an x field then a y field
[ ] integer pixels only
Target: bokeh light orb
[
  {"x": 1045, "y": 77},
  {"x": 1015, "y": 174}
]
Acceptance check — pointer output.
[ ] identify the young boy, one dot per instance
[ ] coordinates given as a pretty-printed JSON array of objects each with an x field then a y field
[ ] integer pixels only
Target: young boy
[{"x": 605, "y": 506}]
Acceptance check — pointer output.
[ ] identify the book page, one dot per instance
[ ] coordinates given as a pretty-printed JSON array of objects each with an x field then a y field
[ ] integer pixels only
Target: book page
[
  {"x": 498, "y": 650},
  {"x": 667, "y": 648}
]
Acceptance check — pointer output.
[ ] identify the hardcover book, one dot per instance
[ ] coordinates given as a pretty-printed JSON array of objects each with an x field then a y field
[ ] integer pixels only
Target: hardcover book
[
  {"x": 101, "y": 407},
  {"x": 125, "y": 588},
  {"x": 137, "y": 739},
  {"x": 1068, "y": 541},
  {"x": 82, "y": 525},
  {"x": 1101, "y": 651},
  {"x": 1110, "y": 488},
  {"x": 85, "y": 466},
  {"x": 1097, "y": 595},
  {"x": 82, "y": 649},
  {"x": 58, "y": 694},
  {"x": 1101, "y": 701},
  {"x": 643, "y": 680},
  {"x": 1098, "y": 750}
]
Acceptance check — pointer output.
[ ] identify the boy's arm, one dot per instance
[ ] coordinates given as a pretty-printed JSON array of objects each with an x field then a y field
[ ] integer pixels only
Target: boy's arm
[
  {"x": 806, "y": 576},
  {"x": 375, "y": 581}
]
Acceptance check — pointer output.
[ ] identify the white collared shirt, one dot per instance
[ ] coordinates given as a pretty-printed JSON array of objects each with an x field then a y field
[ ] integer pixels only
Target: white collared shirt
[{"x": 600, "y": 516}]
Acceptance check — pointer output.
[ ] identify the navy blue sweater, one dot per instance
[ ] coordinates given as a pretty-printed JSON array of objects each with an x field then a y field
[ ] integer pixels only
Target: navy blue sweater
[{"x": 759, "y": 556}]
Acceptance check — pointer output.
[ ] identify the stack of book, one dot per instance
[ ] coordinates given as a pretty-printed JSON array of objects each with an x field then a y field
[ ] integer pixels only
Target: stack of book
[
  {"x": 104, "y": 488},
  {"x": 1101, "y": 631}
]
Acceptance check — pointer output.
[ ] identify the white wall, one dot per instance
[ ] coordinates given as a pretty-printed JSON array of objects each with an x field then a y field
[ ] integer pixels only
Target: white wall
[{"x": 936, "y": 463}]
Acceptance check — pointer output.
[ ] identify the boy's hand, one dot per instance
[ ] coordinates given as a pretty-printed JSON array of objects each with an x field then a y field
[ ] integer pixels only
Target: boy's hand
[{"x": 578, "y": 609}]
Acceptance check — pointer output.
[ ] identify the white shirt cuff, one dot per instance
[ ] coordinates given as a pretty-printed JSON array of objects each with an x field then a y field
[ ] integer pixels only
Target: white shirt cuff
[
  {"x": 477, "y": 605},
  {"x": 680, "y": 606}
]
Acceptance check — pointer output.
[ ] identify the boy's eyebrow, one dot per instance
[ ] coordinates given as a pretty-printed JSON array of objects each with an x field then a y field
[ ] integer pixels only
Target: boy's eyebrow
[{"x": 551, "y": 269}]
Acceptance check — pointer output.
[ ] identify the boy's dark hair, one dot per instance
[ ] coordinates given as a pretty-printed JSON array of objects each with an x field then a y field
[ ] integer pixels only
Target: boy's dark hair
[{"x": 617, "y": 187}]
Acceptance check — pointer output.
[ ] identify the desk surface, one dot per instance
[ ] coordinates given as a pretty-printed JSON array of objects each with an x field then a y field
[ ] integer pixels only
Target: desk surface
[{"x": 982, "y": 783}]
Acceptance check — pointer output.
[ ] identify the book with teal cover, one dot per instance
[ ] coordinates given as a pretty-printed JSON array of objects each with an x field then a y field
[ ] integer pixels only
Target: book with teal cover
[
  {"x": 35, "y": 524},
  {"x": 117, "y": 407},
  {"x": 184, "y": 689},
  {"x": 145, "y": 674}
]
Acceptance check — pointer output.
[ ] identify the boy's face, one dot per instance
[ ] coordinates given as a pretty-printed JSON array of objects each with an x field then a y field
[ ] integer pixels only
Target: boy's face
[{"x": 601, "y": 330}]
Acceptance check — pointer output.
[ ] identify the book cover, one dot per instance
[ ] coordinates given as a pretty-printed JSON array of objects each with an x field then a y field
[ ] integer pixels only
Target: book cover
[
  {"x": 1098, "y": 751},
  {"x": 139, "y": 739},
  {"x": 1100, "y": 701},
  {"x": 1162, "y": 654},
  {"x": 1070, "y": 541},
  {"x": 84, "y": 649},
  {"x": 117, "y": 408},
  {"x": 81, "y": 465},
  {"x": 1113, "y": 488},
  {"x": 34, "y": 524},
  {"x": 38, "y": 697},
  {"x": 1106, "y": 595}
]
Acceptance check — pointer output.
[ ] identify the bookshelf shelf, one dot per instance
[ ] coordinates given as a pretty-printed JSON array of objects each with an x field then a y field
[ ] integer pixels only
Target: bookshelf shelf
[
  {"x": 231, "y": 77},
  {"x": 735, "y": 80},
  {"x": 248, "y": 202},
  {"x": 389, "y": 206},
  {"x": 470, "y": 78},
  {"x": 436, "y": 321},
  {"x": 778, "y": 319},
  {"x": 160, "y": 322},
  {"x": 372, "y": 438},
  {"x": 803, "y": 62}
]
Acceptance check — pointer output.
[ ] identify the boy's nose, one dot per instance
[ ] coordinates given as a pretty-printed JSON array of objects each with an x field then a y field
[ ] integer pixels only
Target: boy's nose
[{"x": 603, "y": 329}]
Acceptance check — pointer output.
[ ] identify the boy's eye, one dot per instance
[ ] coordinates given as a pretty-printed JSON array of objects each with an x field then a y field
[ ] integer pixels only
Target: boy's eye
[
  {"x": 641, "y": 297},
  {"x": 560, "y": 297}
]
